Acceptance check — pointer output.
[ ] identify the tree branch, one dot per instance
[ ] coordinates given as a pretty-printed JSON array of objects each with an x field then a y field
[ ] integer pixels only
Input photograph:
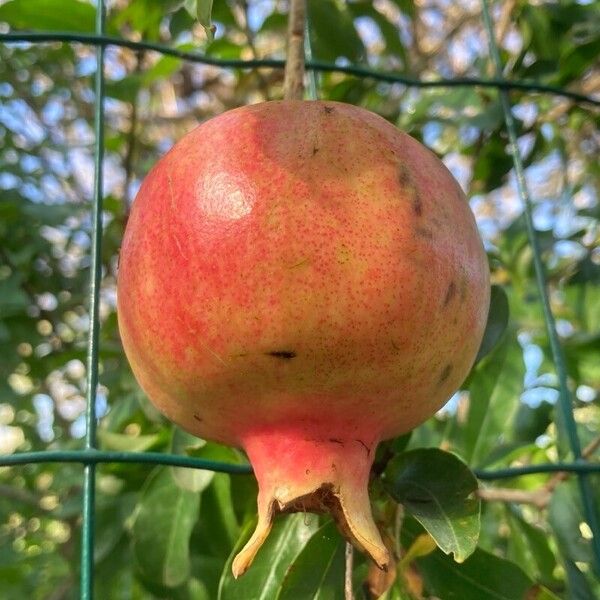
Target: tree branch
[
  {"x": 293, "y": 85},
  {"x": 348, "y": 588}
]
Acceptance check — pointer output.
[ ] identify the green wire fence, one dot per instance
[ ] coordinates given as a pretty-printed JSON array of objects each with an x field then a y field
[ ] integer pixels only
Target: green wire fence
[{"x": 90, "y": 456}]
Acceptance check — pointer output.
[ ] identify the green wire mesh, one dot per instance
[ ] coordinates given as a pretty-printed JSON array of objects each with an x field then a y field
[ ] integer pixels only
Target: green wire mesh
[{"x": 90, "y": 456}]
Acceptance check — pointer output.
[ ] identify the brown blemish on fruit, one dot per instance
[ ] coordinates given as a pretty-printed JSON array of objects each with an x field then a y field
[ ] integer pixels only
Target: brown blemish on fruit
[
  {"x": 404, "y": 177},
  {"x": 336, "y": 441},
  {"x": 315, "y": 150},
  {"x": 408, "y": 187},
  {"x": 198, "y": 418},
  {"x": 445, "y": 374},
  {"x": 328, "y": 109},
  {"x": 395, "y": 346},
  {"x": 284, "y": 354},
  {"x": 423, "y": 233},
  {"x": 417, "y": 204},
  {"x": 450, "y": 293}
]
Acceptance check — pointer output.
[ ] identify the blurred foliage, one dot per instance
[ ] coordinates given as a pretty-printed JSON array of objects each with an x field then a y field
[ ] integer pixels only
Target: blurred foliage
[{"x": 504, "y": 415}]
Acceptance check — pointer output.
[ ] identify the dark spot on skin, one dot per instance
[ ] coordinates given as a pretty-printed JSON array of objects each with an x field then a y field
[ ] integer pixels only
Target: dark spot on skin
[
  {"x": 307, "y": 471},
  {"x": 424, "y": 233},
  {"x": 450, "y": 293},
  {"x": 336, "y": 441},
  {"x": 364, "y": 446},
  {"x": 328, "y": 109},
  {"x": 395, "y": 346},
  {"x": 198, "y": 418},
  {"x": 445, "y": 374},
  {"x": 285, "y": 354},
  {"x": 406, "y": 183},
  {"x": 315, "y": 150},
  {"x": 404, "y": 177},
  {"x": 417, "y": 205}
]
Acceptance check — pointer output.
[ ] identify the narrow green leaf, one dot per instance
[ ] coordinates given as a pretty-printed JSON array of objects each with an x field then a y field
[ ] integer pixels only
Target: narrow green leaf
[
  {"x": 437, "y": 488},
  {"x": 496, "y": 323},
  {"x": 495, "y": 387},
  {"x": 162, "y": 528},
  {"x": 262, "y": 581},
  {"x": 218, "y": 529},
  {"x": 565, "y": 515},
  {"x": 122, "y": 442},
  {"x": 318, "y": 571},
  {"x": 578, "y": 586}
]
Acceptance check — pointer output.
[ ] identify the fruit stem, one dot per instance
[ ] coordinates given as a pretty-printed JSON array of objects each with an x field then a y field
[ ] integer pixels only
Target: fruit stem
[
  {"x": 308, "y": 469},
  {"x": 293, "y": 84}
]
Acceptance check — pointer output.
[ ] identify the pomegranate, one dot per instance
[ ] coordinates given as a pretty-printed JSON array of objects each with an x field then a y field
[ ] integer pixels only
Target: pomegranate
[{"x": 302, "y": 280}]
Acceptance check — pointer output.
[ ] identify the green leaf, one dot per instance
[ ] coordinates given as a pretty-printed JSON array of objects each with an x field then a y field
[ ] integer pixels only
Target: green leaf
[
  {"x": 194, "y": 480},
  {"x": 495, "y": 387},
  {"x": 218, "y": 529},
  {"x": 262, "y": 581},
  {"x": 528, "y": 546},
  {"x": 49, "y": 15},
  {"x": 530, "y": 423},
  {"x": 437, "y": 488},
  {"x": 492, "y": 163},
  {"x": 13, "y": 300},
  {"x": 565, "y": 515},
  {"x": 496, "y": 323},
  {"x": 165, "y": 517},
  {"x": 389, "y": 32},
  {"x": 318, "y": 571},
  {"x": 122, "y": 442},
  {"x": 537, "y": 22},
  {"x": 483, "y": 575},
  {"x": 111, "y": 516},
  {"x": 327, "y": 16},
  {"x": 578, "y": 586}
]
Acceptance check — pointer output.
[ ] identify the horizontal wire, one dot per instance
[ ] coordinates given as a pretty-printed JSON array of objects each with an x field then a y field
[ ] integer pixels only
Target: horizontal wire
[
  {"x": 92, "y": 456},
  {"x": 363, "y": 72},
  {"x": 570, "y": 467}
]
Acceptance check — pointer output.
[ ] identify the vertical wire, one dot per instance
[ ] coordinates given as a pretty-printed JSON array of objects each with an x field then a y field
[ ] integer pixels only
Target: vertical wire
[
  {"x": 87, "y": 537},
  {"x": 313, "y": 78},
  {"x": 540, "y": 277}
]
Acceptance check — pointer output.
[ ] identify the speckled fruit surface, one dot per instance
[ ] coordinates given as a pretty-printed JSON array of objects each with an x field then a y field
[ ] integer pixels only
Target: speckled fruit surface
[{"x": 302, "y": 279}]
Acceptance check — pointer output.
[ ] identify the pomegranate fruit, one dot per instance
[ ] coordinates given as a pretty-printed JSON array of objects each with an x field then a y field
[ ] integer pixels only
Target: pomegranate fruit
[{"x": 302, "y": 280}]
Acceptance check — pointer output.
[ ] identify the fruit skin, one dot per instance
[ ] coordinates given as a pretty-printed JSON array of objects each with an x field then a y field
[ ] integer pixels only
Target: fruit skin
[{"x": 303, "y": 280}]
